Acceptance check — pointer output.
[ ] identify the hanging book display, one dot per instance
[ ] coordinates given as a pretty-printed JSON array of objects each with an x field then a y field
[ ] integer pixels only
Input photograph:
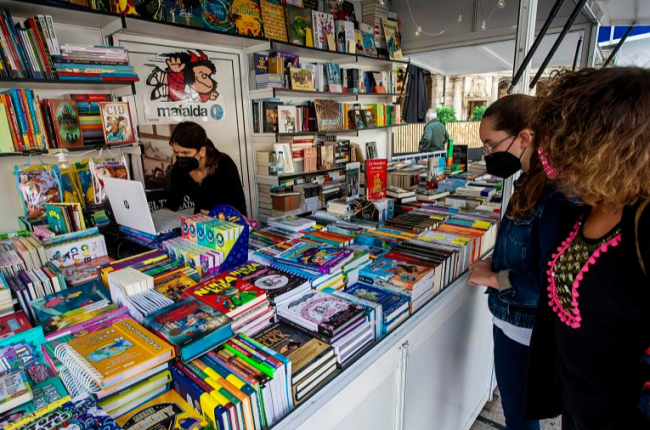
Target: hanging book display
[
  {"x": 274, "y": 24},
  {"x": 299, "y": 23},
  {"x": 247, "y": 17}
]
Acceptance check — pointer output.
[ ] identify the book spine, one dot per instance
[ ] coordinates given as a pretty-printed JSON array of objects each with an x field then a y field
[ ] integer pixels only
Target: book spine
[
  {"x": 55, "y": 42},
  {"x": 35, "y": 53},
  {"x": 31, "y": 130},
  {"x": 43, "y": 49},
  {"x": 10, "y": 45},
  {"x": 12, "y": 123},
  {"x": 17, "y": 105}
]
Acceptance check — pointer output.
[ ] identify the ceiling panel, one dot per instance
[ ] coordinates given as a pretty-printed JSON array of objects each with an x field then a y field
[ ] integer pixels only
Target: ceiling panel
[{"x": 624, "y": 12}]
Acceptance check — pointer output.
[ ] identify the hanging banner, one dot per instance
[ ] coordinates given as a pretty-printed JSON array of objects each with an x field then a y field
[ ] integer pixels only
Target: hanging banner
[{"x": 181, "y": 86}]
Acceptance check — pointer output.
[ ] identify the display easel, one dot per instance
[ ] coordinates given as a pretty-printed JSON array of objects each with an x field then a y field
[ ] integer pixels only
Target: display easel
[{"x": 238, "y": 255}]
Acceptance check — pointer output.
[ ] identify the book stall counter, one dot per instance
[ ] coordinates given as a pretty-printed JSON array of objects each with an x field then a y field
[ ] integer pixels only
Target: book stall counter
[{"x": 435, "y": 368}]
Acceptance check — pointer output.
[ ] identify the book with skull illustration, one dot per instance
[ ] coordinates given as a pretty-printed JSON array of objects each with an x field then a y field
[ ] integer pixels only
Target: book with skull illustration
[{"x": 116, "y": 122}]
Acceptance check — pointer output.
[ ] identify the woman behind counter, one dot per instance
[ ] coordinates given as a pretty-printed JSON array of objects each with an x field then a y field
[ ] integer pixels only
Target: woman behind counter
[{"x": 209, "y": 177}]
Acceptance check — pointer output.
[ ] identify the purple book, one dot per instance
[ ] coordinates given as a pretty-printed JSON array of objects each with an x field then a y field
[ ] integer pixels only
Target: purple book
[{"x": 315, "y": 257}]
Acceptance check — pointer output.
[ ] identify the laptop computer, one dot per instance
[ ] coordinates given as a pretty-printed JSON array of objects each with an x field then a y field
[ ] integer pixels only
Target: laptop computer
[{"x": 131, "y": 209}]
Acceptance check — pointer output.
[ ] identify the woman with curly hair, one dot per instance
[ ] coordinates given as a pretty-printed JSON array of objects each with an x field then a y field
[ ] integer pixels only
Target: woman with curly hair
[
  {"x": 533, "y": 223},
  {"x": 593, "y": 321}
]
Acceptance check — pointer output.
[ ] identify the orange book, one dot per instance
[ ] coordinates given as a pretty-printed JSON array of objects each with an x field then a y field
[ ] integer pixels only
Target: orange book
[{"x": 106, "y": 357}]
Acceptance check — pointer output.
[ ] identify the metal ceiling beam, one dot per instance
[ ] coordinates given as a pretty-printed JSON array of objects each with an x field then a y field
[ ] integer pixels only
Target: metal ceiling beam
[
  {"x": 618, "y": 46},
  {"x": 577, "y": 54}
]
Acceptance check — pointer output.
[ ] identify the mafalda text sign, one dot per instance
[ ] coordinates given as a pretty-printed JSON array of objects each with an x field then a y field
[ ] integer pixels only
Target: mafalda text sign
[{"x": 181, "y": 86}]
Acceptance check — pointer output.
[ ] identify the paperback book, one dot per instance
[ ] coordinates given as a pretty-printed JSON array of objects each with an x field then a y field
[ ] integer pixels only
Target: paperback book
[
  {"x": 247, "y": 17},
  {"x": 227, "y": 294},
  {"x": 298, "y": 24}
]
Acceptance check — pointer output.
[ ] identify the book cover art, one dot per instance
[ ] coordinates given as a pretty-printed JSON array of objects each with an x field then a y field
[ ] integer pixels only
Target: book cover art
[
  {"x": 124, "y": 345},
  {"x": 56, "y": 218},
  {"x": 369, "y": 47},
  {"x": 261, "y": 64},
  {"x": 394, "y": 272},
  {"x": 78, "y": 414},
  {"x": 217, "y": 16},
  {"x": 116, "y": 122},
  {"x": 298, "y": 22},
  {"x": 333, "y": 78},
  {"x": 391, "y": 302},
  {"x": 274, "y": 23},
  {"x": 65, "y": 118},
  {"x": 323, "y": 28},
  {"x": 54, "y": 310},
  {"x": 368, "y": 119},
  {"x": 358, "y": 42},
  {"x": 173, "y": 285},
  {"x": 327, "y": 115},
  {"x": 320, "y": 311},
  {"x": 13, "y": 388},
  {"x": 186, "y": 321},
  {"x": 301, "y": 79},
  {"x": 81, "y": 273},
  {"x": 124, "y": 7},
  {"x": 270, "y": 119},
  {"x": 287, "y": 119},
  {"x": 184, "y": 12},
  {"x": 299, "y": 347},
  {"x": 168, "y": 411},
  {"x": 352, "y": 180},
  {"x": 48, "y": 396},
  {"x": 149, "y": 9},
  {"x": 391, "y": 31},
  {"x": 13, "y": 324},
  {"x": 345, "y": 36},
  {"x": 273, "y": 281},
  {"x": 227, "y": 294},
  {"x": 247, "y": 17},
  {"x": 315, "y": 256},
  {"x": 376, "y": 172}
]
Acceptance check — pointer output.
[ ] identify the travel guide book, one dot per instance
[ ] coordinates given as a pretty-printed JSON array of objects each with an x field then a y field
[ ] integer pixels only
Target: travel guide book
[
  {"x": 191, "y": 326},
  {"x": 228, "y": 294},
  {"x": 315, "y": 257},
  {"x": 321, "y": 313},
  {"x": 112, "y": 355}
]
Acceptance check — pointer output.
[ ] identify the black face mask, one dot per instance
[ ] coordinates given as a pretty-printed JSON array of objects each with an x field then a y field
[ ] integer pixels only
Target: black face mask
[
  {"x": 187, "y": 164},
  {"x": 503, "y": 164}
]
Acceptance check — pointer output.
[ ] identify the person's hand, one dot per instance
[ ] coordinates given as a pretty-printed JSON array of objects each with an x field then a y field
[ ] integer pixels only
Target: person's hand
[
  {"x": 481, "y": 274},
  {"x": 175, "y": 64}
]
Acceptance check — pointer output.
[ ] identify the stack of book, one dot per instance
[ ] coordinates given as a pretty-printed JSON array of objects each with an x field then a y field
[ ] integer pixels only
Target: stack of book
[
  {"x": 269, "y": 80},
  {"x": 94, "y": 63},
  {"x": 147, "y": 415},
  {"x": 90, "y": 119},
  {"x": 291, "y": 223},
  {"x": 22, "y": 123},
  {"x": 64, "y": 218},
  {"x": 13, "y": 323},
  {"x": 32, "y": 284},
  {"x": 313, "y": 362},
  {"x": 247, "y": 305},
  {"x": 340, "y": 208},
  {"x": 400, "y": 195},
  {"x": 394, "y": 306},
  {"x": 281, "y": 286},
  {"x": 334, "y": 320},
  {"x": 6, "y": 299}
]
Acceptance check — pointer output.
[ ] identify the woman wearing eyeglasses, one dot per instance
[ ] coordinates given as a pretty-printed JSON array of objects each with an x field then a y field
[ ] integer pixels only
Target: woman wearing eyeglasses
[{"x": 536, "y": 217}]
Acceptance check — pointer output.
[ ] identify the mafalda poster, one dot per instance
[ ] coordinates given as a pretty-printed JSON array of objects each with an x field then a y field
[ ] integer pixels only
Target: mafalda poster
[{"x": 181, "y": 86}]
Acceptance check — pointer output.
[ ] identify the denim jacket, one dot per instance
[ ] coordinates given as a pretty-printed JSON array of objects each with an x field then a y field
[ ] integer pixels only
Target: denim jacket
[{"x": 521, "y": 254}]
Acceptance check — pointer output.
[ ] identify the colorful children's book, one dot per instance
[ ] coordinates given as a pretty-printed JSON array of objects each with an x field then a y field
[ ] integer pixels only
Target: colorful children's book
[
  {"x": 228, "y": 294},
  {"x": 173, "y": 284},
  {"x": 78, "y": 414},
  {"x": 22, "y": 353},
  {"x": 247, "y": 17},
  {"x": 315, "y": 257},
  {"x": 14, "y": 391},
  {"x": 376, "y": 173},
  {"x": 168, "y": 411},
  {"x": 191, "y": 326},
  {"x": 369, "y": 47},
  {"x": 393, "y": 304},
  {"x": 274, "y": 282},
  {"x": 116, "y": 122},
  {"x": 217, "y": 16},
  {"x": 298, "y": 24},
  {"x": 395, "y": 272},
  {"x": 13, "y": 324},
  {"x": 83, "y": 272},
  {"x": 48, "y": 395},
  {"x": 68, "y": 307},
  {"x": 323, "y": 28},
  {"x": 274, "y": 23},
  {"x": 391, "y": 31},
  {"x": 65, "y": 118},
  {"x": 109, "y": 356}
]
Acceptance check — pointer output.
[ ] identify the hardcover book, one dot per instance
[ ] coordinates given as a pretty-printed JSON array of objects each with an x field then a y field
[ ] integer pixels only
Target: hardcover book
[
  {"x": 287, "y": 120},
  {"x": 323, "y": 28},
  {"x": 217, "y": 16},
  {"x": 298, "y": 24},
  {"x": 398, "y": 273},
  {"x": 369, "y": 47},
  {"x": 368, "y": 119},
  {"x": 327, "y": 115},
  {"x": 333, "y": 77},
  {"x": 65, "y": 118},
  {"x": 345, "y": 36},
  {"x": 168, "y": 411},
  {"x": 22, "y": 353},
  {"x": 172, "y": 285},
  {"x": 315, "y": 257},
  {"x": 392, "y": 303},
  {"x": 150, "y": 9},
  {"x": 14, "y": 391},
  {"x": 301, "y": 79},
  {"x": 13, "y": 324},
  {"x": 274, "y": 24},
  {"x": 376, "y": 172},
  {"x": 304, "y": 351},
  {"x": 116, "y": 123},
  {"x": 78, "y": 414},
  {"x": 358, "y": 42},
  {"x": 321, "y": 312},
  {"x": 273, "y": 281},
  {"x": 184, "y": 12},
  {"x": 247, "y": 17},
  {"x": 391, "y": 31},
  {"x": 227, "y": 294}
]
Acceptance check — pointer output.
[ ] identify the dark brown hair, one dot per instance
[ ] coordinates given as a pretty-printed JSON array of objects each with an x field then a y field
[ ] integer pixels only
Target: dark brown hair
[
  {"x": 513, "y": 114},
  {"x": 189, "y": 134},
  {"x": 594, "y": 127}
]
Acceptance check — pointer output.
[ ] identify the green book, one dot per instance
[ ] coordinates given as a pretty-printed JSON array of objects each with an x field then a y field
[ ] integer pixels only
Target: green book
[
  {"x": 6, "y": 142},
  {"x": 57, "y": 218}
]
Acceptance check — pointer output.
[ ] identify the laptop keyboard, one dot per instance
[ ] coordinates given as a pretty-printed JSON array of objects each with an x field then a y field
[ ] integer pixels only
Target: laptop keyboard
[{"x": 165, "y": 221}]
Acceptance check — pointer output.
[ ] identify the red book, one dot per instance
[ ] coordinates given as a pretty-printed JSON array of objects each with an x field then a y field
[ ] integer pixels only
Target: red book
[
  {"x": 12, "y": 324},
  {"x": 227, "y": 294},
  {"x": 376, "y": 172}
]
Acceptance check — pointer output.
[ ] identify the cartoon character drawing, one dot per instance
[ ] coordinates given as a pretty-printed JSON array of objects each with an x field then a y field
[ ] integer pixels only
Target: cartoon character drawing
[
  {"x": 117, "y": 131},
  {"x": 118, "y": 346},
  {"x": 188, "y": 76}
]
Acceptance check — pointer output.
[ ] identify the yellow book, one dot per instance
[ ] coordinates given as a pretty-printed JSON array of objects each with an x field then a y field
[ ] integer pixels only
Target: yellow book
[
  {"x": 107, "y": 357},
  {"x": 168, "y": 411}
]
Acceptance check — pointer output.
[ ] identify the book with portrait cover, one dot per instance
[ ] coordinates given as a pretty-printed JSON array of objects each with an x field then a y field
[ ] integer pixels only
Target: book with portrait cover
[
  {"x": 376, "y": 172},
  {"x": 274, "y": 23},
  {"x": 247, "y": 17},
  {"x": 116, "y": 122}
]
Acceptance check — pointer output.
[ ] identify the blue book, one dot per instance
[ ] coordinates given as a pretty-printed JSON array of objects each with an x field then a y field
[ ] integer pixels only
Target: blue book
[
  {"x": 315, "y": 257},
  {"x": 191, "y": 326},
  {"x": 22, "y": 352},
  {"x": 392, "y": 304},
  {"x": 82, "y": 414}
]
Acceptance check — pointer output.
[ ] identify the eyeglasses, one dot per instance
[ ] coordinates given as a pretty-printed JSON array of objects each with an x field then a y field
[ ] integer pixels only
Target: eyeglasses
[{"x": 489, "y": 148}]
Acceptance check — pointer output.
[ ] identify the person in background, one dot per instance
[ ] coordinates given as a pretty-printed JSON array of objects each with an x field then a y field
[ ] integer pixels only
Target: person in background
[
  {"x": 435, "y": 136},
  {"x": 593, "y": 326},
  {"x": 528, "y": 233},
  {"x": 209, "y": 177}
]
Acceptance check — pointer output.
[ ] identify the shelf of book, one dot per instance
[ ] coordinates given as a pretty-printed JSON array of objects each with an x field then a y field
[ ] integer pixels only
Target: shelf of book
[
  {"x": 280, "y": 92},
  {"x": 273, "y": 180},
  {"x": 118, "y": 88},
  {"x": 351, "y": 131},
  {"x": 53, "y": 151},
  {"x": 62, "y": 12}
]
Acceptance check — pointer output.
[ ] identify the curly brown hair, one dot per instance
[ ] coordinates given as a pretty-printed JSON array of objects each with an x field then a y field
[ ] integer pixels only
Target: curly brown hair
[
  {"x": 595, "y": 129},
  {"x": 513, "y": 114}
]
